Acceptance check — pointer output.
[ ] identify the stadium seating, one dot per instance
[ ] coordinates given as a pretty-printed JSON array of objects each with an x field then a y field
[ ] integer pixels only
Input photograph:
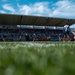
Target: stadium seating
[{"x": 27, "y": 34}]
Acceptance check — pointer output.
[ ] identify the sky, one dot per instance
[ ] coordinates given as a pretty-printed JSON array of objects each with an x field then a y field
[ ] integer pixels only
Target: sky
[{"x": 52, "y": 8}]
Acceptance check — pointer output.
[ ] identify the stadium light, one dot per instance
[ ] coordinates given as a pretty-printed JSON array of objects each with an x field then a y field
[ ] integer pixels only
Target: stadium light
[{"x": 54, "y": 27}]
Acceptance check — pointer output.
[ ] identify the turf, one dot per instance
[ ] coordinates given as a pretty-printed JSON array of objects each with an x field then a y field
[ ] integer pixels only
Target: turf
[{"x": 37, "y": 58}]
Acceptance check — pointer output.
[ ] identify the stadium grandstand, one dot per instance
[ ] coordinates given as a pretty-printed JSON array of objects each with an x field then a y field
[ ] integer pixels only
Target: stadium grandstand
[{"x": 33, "y": 28}]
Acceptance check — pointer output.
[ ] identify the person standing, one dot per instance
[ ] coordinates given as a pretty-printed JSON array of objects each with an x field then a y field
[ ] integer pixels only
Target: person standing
[{"x": 66, "y": 30}]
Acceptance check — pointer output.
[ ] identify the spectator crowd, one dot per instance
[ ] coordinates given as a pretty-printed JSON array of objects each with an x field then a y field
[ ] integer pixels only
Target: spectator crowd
[{"x": 20, "y": 34}]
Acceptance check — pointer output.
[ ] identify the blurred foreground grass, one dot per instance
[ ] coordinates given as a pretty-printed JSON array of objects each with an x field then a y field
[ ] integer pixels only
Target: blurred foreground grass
[{"x": 37, "y": 58}]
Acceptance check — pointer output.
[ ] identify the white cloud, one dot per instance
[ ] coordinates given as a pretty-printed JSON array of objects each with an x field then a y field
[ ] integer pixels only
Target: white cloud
[
  {"x": 24, "y": 9},
  {"x": 40, "y": 8},
  {"x": 4, "y": 0},
  {"x": 62, "y": 8},
  {"x": 8, "y": 7},
  {"x": 2, "y": 11}
]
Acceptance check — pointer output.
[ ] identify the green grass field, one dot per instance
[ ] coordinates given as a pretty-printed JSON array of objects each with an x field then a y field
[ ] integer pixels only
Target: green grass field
[{"x": 37, "y": 58}]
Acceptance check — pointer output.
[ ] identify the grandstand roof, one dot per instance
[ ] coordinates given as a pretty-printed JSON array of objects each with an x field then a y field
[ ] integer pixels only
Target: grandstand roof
[{"x": 11, "y": 19}]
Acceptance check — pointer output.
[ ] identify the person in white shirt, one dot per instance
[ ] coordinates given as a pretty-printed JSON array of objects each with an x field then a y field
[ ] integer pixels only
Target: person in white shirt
[{"x": 66, "y": 30}]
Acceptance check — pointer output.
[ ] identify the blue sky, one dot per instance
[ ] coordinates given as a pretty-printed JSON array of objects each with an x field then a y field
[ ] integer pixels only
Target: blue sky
[{"x": 53, "y": 8}]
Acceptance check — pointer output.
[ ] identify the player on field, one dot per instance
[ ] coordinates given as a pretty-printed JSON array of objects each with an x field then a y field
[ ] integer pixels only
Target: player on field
[{"x": 66, "y": 30}]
